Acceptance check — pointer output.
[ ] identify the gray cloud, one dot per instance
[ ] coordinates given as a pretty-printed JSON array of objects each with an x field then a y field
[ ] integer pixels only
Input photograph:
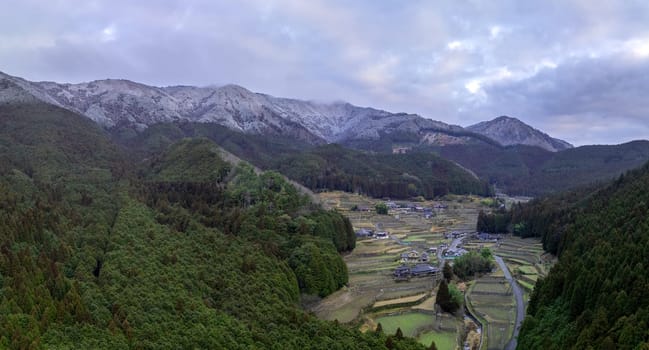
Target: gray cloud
[
  {"x": 572, "y": 68},
  {"x": 602, "y": 99}
]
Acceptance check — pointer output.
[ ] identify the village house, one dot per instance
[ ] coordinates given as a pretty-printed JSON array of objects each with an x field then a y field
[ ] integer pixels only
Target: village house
[
  {"x": 423, "y": 270},
  {"x": 402, "y": 271},
  {"x": 391, "y": 205},
  {"x": 381, "y": 235},
  {"x": 364, "y": 233},
  {"x": 410, "y": 256},
  {"x": 454, "y": 253}
]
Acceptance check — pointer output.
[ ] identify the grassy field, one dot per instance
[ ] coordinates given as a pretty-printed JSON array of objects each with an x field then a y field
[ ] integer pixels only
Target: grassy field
[
  {"x": 409, "y": 323},
  {"x": 443, "y": 340}
]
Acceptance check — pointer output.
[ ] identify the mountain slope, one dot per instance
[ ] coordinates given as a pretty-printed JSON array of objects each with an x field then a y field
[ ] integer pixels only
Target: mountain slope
[
  {"x": 333, "y": 167},
  {"x": 532, "y": 171},
  {"x": 511, "y": 131},
  {"x": 595, "y": 297},
  {"x": 326, "y": 166},
  {"x": 181, "y": 251}
]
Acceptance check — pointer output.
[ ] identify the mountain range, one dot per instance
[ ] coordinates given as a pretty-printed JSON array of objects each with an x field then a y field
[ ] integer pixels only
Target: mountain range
[
  {"x": 125, "y": 104},
  {"x": 271, "y": 132}
]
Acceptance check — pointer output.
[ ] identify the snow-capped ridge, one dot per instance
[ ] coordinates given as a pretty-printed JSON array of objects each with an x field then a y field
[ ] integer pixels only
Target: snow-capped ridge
[
  {"x": 511, "y": 131},
  {"x": 125, "y": 103}
]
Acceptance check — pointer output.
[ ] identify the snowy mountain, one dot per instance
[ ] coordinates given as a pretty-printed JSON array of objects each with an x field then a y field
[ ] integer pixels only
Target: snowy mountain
[
  {"x": 118, "y": 103},
  {"x": 126, "y": 104},
  {"x": 511, "y": 131}
]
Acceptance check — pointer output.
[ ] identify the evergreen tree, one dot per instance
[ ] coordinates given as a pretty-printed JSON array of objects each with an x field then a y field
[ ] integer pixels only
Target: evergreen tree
[
  {"x": 381, "y": 209},
  {"x": 389, "y": 343},
  {"x": 447, "y": 271},
  {"x": 444, "y": 299},
  {"x": 398, "y": 334}
]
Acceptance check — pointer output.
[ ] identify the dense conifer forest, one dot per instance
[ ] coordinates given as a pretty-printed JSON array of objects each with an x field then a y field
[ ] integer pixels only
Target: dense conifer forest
[
  {"x": 181, "y": 250},
  {"x": 595, "y": 297},
  {"x": 532, "y": 171},
  {"x": 325, "y": 167}
]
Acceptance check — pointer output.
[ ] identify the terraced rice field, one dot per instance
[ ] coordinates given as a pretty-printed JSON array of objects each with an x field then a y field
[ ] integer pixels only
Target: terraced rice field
[
  {"x": 491, "y": 297},
  {"x": 525, "y": 259},
  {"x": 371, "y": 284},
  {"x": 399, "y": 301},
  {"x": 492, "y": 301}
]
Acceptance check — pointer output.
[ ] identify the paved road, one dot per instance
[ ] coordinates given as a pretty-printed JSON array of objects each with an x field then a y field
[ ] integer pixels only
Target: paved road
[
  {"x": 520, "y": 306},
  {"x": 454, "y": 243}
]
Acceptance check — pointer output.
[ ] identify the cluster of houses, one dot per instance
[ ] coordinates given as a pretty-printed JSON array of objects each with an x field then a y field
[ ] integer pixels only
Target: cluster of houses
[
  {"x": 454, "y": 253},
  {"x": 367, "y": 233},
  {"x": 415, "y": 264},
  {"x": 410, "y": 207},
  {"x": 413, "y": 256},
  {"x": 488, "y": 237},
  {"x": 419, "y": 270}
]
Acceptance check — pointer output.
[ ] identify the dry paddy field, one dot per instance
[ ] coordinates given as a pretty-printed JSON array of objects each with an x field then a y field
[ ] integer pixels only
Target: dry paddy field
[
  {"x": 525, "y": 259},
  {"x": 491, "y": 298},
  {"x": 492, "y": 301}
]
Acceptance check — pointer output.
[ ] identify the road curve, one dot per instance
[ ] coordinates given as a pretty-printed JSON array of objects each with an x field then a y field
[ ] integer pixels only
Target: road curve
[{"x": 520, "y": 306}]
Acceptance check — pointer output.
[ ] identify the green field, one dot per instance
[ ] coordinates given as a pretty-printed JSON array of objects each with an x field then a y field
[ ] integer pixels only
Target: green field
[
  {"x": 527, "y": 270},
  {"x": 443, "y": 340},
  {"x": 409, "y": 323}
]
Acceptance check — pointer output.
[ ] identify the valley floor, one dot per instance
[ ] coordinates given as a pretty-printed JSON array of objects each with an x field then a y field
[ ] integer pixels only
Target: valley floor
[{"x": 373, "y": 296}]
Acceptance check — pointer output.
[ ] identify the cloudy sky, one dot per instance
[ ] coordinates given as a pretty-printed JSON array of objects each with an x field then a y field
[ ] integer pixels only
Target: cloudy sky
[{"x": 576, "y": 69}]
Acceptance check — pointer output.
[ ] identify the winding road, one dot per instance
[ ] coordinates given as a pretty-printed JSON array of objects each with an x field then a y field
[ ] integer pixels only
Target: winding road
[{"x": 520, "y": 306}]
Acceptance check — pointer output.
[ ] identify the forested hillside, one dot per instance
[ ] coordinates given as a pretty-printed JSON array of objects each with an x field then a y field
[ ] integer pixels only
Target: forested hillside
[
  {"x": 595, "y": 297},
  {"x": 183, "y": 250},
  {"x": 424, "y": 174},
  {"x": 374, "y": 170},
  {"x": 532, "y": 171},
  {"x": 331, "y": 167}
]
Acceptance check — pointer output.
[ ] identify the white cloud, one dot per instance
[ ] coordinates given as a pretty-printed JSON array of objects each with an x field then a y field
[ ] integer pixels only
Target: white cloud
[
  {"x": 638, "y": 47},
  {"x": 454, "y": 45},
  {"x": 494, "y": 32},
  {"x": 109, "y": 33},
  {"x": 473, "y": 86}
]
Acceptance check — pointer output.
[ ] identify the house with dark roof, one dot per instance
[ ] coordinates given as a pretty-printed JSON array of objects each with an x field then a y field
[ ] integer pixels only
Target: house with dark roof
[
  {"x": 381, "y": 235},
  {"x": 410, "y": 256},
  {"x": 402, "y": 271},
  {"x": 424, "y": 270},
  {"x": 364, "y": 233}
]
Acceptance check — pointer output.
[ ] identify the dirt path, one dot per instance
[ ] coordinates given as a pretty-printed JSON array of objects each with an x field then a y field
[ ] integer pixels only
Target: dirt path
[{"x": 520, "y": 306}]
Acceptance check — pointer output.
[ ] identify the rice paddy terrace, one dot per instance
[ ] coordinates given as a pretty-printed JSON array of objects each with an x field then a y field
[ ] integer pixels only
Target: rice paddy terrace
[{"x": 374, "y": 296}]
